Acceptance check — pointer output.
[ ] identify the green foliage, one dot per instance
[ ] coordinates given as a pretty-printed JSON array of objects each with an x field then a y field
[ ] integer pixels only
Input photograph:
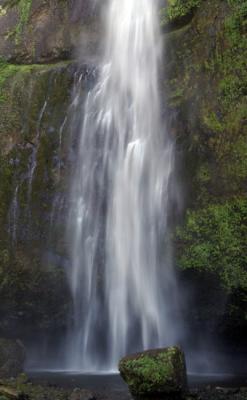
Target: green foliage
[
  {"x": 178, "y": 9},
  {"x": 215, "y": 239},
  {"x": 236, "y": 24},
  {"x": 228, "y": 142},
  {"x": 233, "y": 86}
]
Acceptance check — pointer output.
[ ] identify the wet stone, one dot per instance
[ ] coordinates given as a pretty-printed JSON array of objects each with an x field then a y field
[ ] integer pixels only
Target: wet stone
[{"x": 81, "y": 394}]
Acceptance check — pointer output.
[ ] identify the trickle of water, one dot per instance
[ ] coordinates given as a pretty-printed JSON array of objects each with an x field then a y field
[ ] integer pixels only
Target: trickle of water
[
  {"x": 61, "y": 131},
  {"x": 14, "y": 216},
  {"x": 35, "y": 148},
  {"x": 121, "y": 277}
]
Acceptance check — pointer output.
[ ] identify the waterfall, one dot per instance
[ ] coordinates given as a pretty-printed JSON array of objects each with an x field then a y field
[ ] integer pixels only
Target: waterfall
[{"x": 121, "y": 275}]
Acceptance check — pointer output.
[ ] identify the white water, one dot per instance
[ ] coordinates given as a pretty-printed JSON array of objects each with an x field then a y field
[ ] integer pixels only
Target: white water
[
  {"x": 33, "y": 158},
  {"x": 14, "y": 212},
  {"x": 121, "y": 277}
]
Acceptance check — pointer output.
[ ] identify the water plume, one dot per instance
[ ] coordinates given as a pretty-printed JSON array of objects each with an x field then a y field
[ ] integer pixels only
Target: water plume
[{"x": 121, "y": 274}]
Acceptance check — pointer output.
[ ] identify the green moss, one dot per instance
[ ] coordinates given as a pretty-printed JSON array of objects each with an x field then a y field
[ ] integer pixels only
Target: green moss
[
  {"x": 208, "y": 89},
  {"x": 21, "y": 272},
  {"x": 11, "y": 73},
  {"x": 43, "y": 289},
  {"x": 36, "y": 392},
  {"x": 6, "y": 71},
  {"x": 24, "y": 8},
  {"x": 203, "y": 173},
  {"x": 206, "y": 85},
  {"x": 151, "y": 371},
  {"x": 161, "y": 371}
]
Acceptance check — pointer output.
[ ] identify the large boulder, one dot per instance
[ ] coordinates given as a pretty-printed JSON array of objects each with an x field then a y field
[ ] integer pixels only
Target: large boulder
[
  {"x": 155, "y": 373},
  {"x": 12, "y": 358}
]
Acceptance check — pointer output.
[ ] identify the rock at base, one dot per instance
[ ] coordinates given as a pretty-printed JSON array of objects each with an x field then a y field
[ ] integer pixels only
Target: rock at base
[
  {"x": 155, "y": 373},
  {"x": 81, "y": 394},
  {"x": 12, "y": 358}
]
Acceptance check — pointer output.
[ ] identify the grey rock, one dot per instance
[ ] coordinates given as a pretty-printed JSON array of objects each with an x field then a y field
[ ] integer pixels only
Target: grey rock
[{"x": 12, "y": 358}]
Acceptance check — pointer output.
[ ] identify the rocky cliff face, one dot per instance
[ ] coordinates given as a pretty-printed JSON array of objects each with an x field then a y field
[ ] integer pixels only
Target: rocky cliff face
[
  {"x": 41, "y": 31},
  {"x": 37, "y": 76},
  {"x": 206, "y": 88}
]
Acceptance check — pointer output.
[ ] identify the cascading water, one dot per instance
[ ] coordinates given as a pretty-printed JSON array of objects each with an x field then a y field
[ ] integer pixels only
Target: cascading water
[{"x": 121, "y": 276}]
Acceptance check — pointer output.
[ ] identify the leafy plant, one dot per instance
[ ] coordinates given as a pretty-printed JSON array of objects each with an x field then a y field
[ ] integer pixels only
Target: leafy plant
[{"x": 215, "y": 239}]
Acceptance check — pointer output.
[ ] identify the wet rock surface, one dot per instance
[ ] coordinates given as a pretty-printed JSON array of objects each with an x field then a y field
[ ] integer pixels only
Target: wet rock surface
[
  {"x": 24, "y": 388},
  {"x": 82, "y": 394},
  {"x": 218, "y": 393},
  {"x": 41, "y": 31},
  {"x": 12, "y": 358}
]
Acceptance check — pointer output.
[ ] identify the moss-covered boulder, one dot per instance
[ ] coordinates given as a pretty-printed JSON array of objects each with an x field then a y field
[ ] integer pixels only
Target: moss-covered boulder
[
  {"x": 155, "y": 372},
  {"x": 12, "y": 358}
]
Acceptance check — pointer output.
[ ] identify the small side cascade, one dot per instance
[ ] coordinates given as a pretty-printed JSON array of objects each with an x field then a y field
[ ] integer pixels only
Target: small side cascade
[
  {"x": 35, "y": 148},
  {"x": 14, "y": 212}
]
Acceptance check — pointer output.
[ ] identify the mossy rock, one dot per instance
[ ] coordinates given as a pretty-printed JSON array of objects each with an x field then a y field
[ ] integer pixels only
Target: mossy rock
[
  {"x": 41, "y": 31},
  {"x": 178, "y": 13},
  {"x": 206, "y": 86},
  {"x": 12, "y": 358},
  {"x": 156, "y": 373}
]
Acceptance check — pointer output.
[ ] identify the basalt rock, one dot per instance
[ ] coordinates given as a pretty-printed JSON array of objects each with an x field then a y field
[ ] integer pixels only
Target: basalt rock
[
  {"x": 40, "y": 31},
  {"x": 81, "y": 394},
  {"x": 12, "y": 358},
  {"x": 155, "y": 373}
]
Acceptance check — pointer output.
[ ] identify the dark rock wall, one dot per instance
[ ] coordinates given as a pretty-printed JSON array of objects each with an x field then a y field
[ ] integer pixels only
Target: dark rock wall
[
  {"x": 207, "y": 98},
  {"x": 41, "y": 31},
  {"x": 37, "y": 79}
]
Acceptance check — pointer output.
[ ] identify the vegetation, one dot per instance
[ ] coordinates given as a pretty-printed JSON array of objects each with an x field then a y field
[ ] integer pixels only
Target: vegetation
[
  {"x": 23, "y": 388},
  {"x": 23, "y": 275},
  {"x": 207, "y": 91},
  {"x": 206, "y": 86},
  {"x": 214, "y": 239},
  {"x": 6, "y": 71},
  {"x": 161, "y": 371},
  {"x": 177, "y": 9},
  {"x": 24, "y": 10},
  {"x": 31, "y": 292}
]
